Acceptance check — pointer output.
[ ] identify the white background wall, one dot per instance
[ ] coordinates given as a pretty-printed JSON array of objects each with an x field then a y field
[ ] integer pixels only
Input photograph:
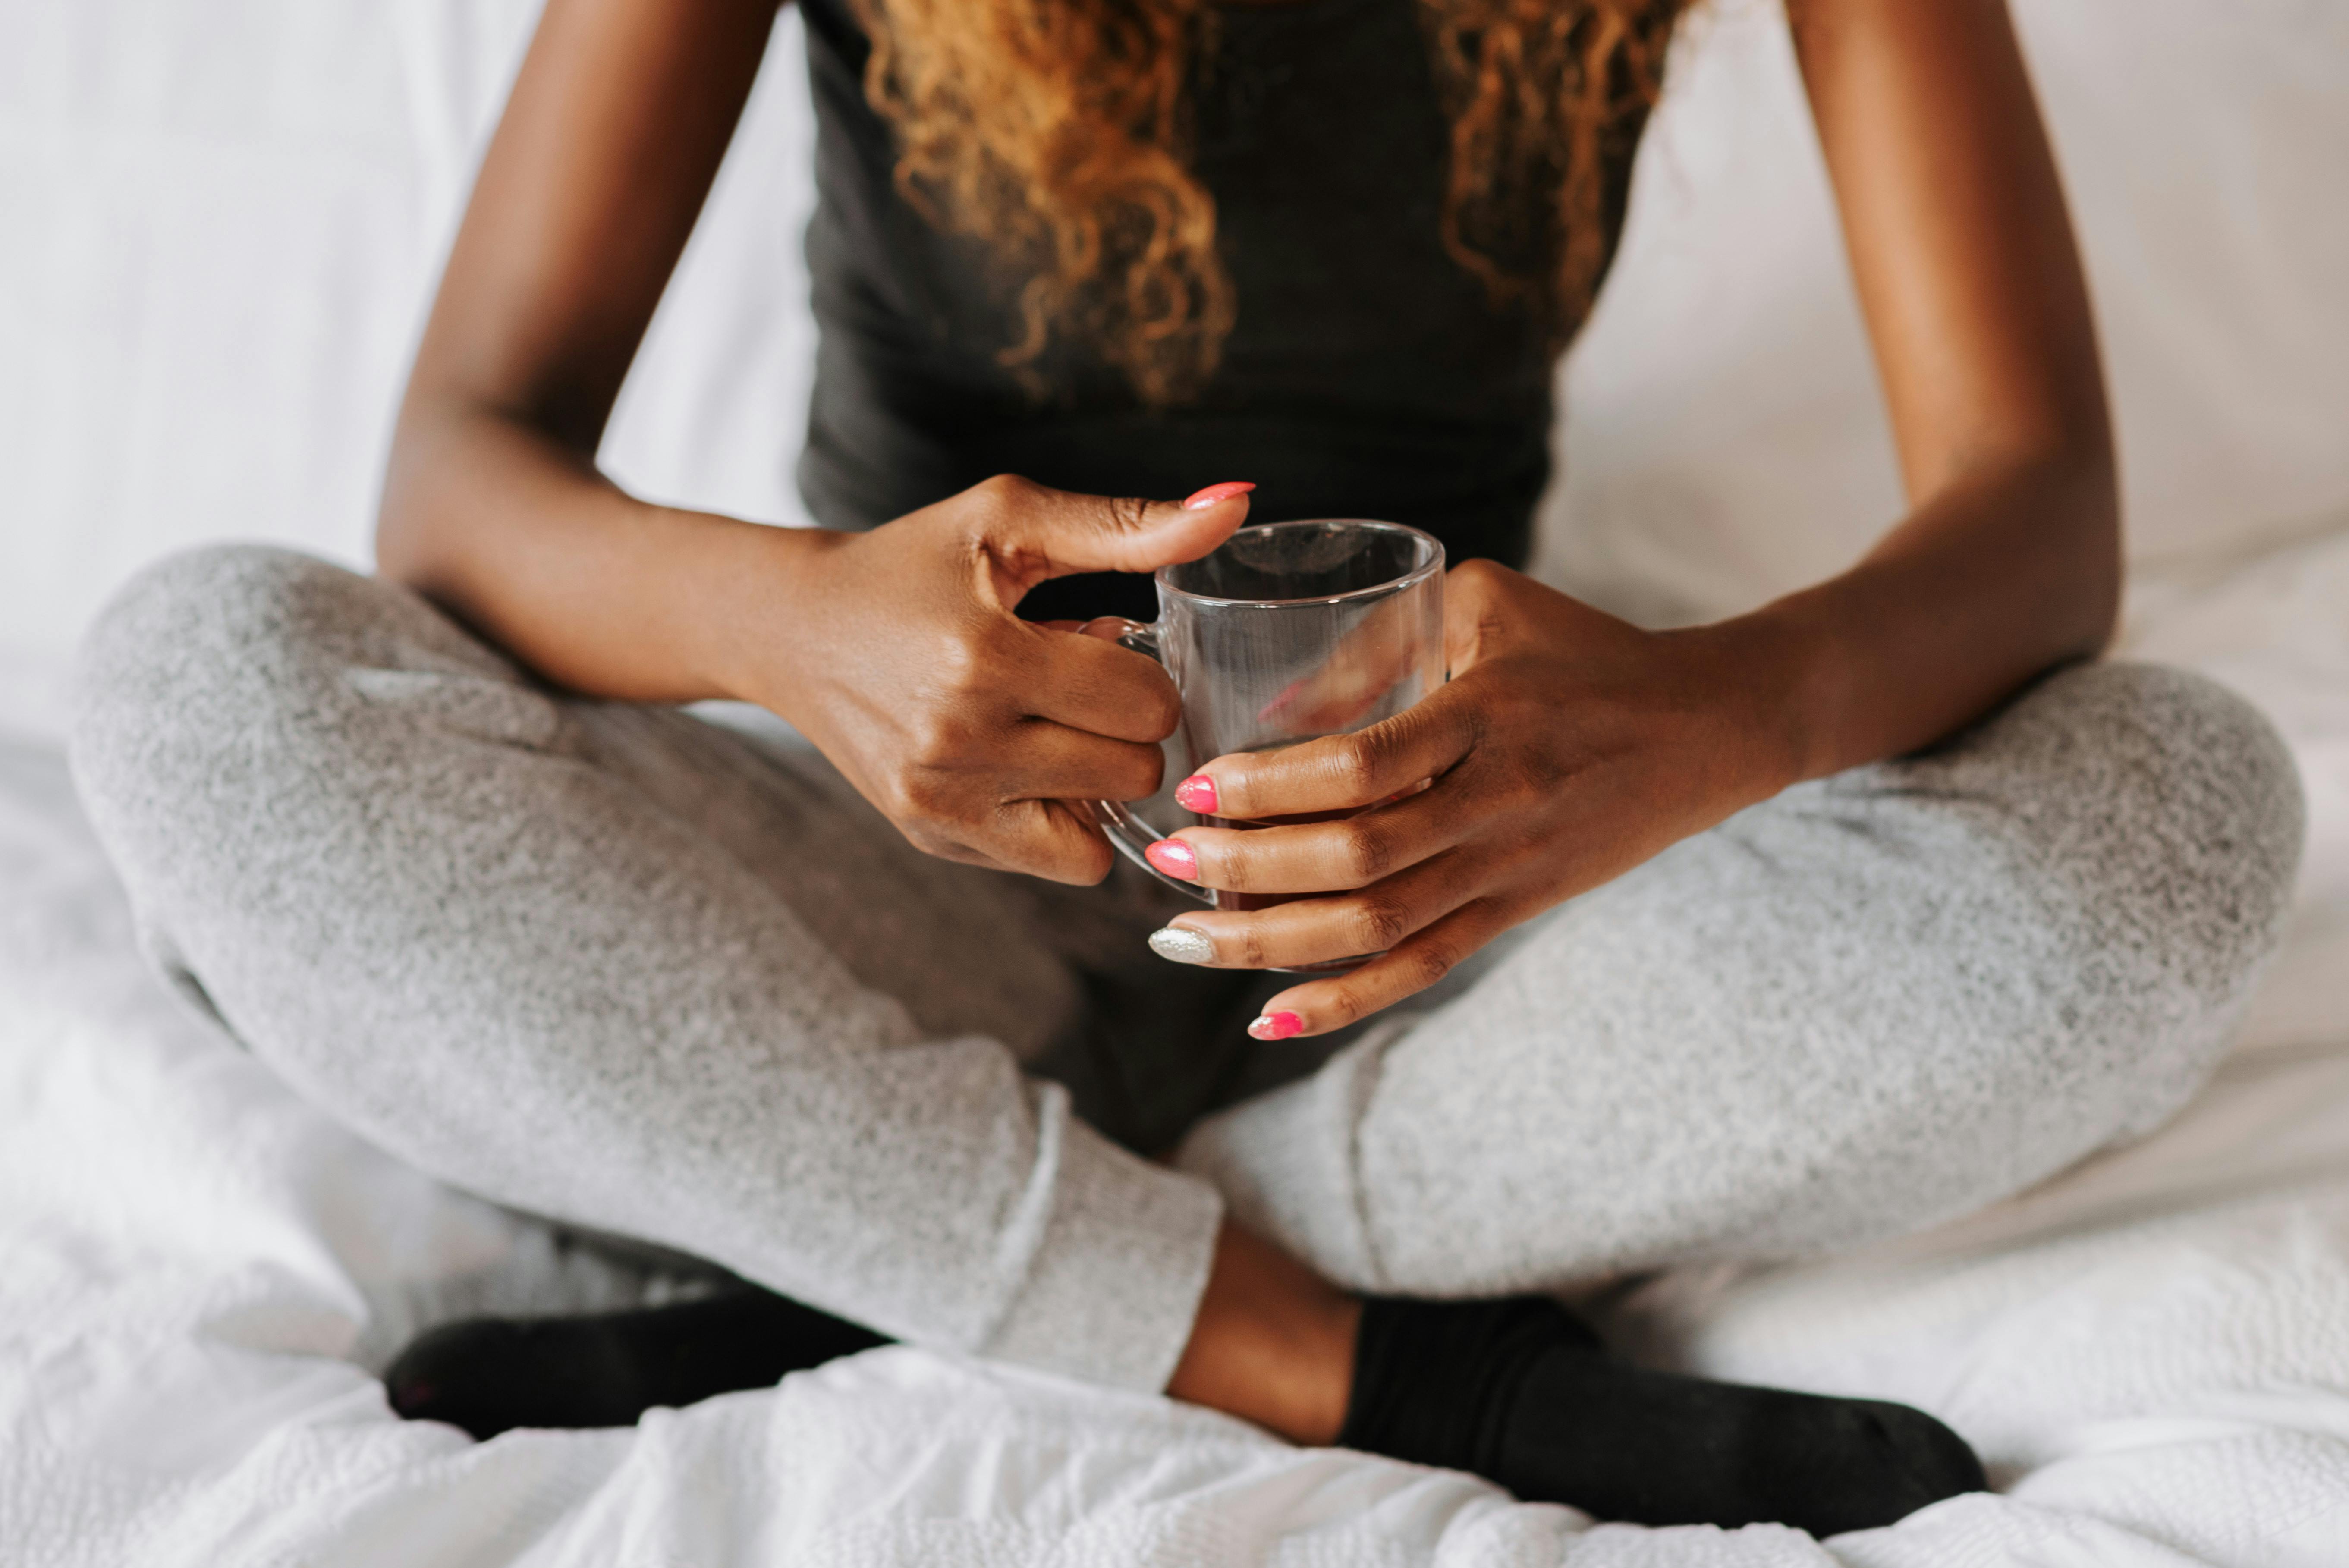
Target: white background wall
[{"x": 219, "y": 223}]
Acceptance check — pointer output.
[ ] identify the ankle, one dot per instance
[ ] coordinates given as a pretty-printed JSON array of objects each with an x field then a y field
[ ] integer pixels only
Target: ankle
[{"x": 1273, "y": 1343}]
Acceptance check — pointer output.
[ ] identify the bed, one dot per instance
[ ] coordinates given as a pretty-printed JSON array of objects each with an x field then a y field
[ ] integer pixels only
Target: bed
[{"x": 220, "y": 221}]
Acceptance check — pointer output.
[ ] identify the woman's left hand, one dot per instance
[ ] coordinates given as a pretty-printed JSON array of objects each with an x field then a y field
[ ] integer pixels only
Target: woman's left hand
[{"x": 1567, "y": 748}]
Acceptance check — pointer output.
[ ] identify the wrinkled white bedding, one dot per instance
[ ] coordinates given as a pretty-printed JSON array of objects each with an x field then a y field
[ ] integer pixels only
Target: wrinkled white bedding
[
  {"x": 199, "y": 1276},
  {"x": 201, "y": 1273}
]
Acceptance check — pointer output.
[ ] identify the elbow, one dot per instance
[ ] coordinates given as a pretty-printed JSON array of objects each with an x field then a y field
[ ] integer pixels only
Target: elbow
[
  {"x": 402, "y": 549},
  {"x": 411, "y": 546},
  {"x": 2088, "y": 503},
  {"x": 400, "y": 555},
  {"x": 2062, "y": 506}
]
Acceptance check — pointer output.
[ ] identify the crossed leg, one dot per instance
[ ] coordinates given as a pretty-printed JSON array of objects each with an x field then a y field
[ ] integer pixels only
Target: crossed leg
[{"x": 634, "y": 971}]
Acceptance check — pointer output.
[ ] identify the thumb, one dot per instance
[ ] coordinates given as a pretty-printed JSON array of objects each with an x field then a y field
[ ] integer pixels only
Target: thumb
[{"x": 1037, "y": 532}]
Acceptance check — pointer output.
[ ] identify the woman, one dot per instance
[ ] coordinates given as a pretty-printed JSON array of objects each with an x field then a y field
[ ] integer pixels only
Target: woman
[{"x": 1824, "y": 922}]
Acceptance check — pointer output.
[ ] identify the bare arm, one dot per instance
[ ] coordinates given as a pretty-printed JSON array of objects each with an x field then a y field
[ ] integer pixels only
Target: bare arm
[
  {"x": 492, "y": 503},
  {"x": 1971, "y": 283}
]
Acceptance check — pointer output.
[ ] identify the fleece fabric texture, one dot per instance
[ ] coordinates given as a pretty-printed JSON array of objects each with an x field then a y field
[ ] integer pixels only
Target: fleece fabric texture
[{"x": 661, "y": 979}]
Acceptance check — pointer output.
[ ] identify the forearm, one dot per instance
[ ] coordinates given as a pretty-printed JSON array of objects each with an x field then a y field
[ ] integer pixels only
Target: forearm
[
  {"x": 1963, "y": 260},
  {"x": 614, "y": 129},
  {"x": 594, "y": 589},
  {"x": 2004, "y": 572}
]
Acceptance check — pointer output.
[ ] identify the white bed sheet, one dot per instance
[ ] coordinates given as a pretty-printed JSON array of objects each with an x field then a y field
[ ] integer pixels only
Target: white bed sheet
[
  {"x": 199, "y": 1277},
  {"x": 202, "y": 1275}
]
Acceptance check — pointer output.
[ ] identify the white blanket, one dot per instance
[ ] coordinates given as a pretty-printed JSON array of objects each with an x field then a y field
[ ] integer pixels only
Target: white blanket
[{"x": 203, "y": 1275}]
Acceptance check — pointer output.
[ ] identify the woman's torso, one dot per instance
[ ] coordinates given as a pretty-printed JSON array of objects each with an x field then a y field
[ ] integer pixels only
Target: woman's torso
[{"x": 1367, "y": 373}]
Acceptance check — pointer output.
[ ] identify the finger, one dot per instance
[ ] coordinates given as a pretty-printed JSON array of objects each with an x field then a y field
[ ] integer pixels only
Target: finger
[
  {"x": 1031, "y": 532},
  {"x": 1324, "y": 930},
  {"x": 1411, "y": 966},
  {"x": 1350, "y": 852},
  {"x": 1056, "y": 840},
  {"x": 1087, "y": 682},
  {"x": 946, "y": 846},
  {"x": 1339, "y": 772},
  {"x": 1043, "y": 760}
]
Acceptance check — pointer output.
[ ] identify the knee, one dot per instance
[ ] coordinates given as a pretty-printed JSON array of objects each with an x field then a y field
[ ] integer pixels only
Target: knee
[
  {"x": 188, "y": 638},
  {"x": 190, "y": 612},
  {"x": 175, "y": 626},
  {"x": 2174, "y": 801},
  {"x": 208, "y": 677},
  {"x": 2159, "y": 820}
]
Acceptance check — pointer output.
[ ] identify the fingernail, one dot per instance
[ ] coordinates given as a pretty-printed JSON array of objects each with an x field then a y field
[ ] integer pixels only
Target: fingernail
[
  {"x": 1196, "y": 793},
  {"x": 1277, "y": 1027},
  {"x": 1214, "y": 493},
  {"x": 1183, "y": 947},
  {"x": 1175, "y": 858}
]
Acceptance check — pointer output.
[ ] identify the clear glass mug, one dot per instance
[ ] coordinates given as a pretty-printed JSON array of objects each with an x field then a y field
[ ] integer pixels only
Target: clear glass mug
[{"x": 1286, "y": 633}]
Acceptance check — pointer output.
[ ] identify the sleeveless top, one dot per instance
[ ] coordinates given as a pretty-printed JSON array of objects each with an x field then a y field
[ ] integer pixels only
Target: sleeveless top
[{"x": 1367, "y": 374}]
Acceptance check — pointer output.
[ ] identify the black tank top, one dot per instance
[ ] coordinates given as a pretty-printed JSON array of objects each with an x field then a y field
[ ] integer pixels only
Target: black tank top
[{"x": 1367, "y": 374}]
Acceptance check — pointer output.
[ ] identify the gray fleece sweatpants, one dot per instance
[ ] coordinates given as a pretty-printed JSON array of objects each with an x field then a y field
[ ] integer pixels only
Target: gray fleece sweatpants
[{"x": 644, "y": 972}]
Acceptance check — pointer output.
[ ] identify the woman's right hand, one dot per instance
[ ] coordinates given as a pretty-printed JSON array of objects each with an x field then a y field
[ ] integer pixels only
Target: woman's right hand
[{"x": 979, "y": 735}]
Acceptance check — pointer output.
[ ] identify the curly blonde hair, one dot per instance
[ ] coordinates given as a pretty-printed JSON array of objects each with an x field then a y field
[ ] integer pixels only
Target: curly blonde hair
[{"x": 1057, "y": 132}]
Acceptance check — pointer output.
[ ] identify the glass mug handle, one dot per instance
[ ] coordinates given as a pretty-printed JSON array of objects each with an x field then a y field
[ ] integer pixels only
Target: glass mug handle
[{"x": 1129, "y": 832}]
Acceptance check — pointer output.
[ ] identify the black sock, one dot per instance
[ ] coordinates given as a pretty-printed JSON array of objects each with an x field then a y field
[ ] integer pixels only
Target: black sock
[
  {"x": 1522, "y": 1393},
  {"x": 606, "y": 1369}
]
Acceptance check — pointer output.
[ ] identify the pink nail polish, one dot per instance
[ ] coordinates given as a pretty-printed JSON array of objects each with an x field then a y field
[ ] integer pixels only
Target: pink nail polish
[
  {"x": 1214, "y": 493},
  {"x": 1196, "y": 793},
  {"x": 1175, "y": 858},
  {"x": 1277, "y": 1027}
]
